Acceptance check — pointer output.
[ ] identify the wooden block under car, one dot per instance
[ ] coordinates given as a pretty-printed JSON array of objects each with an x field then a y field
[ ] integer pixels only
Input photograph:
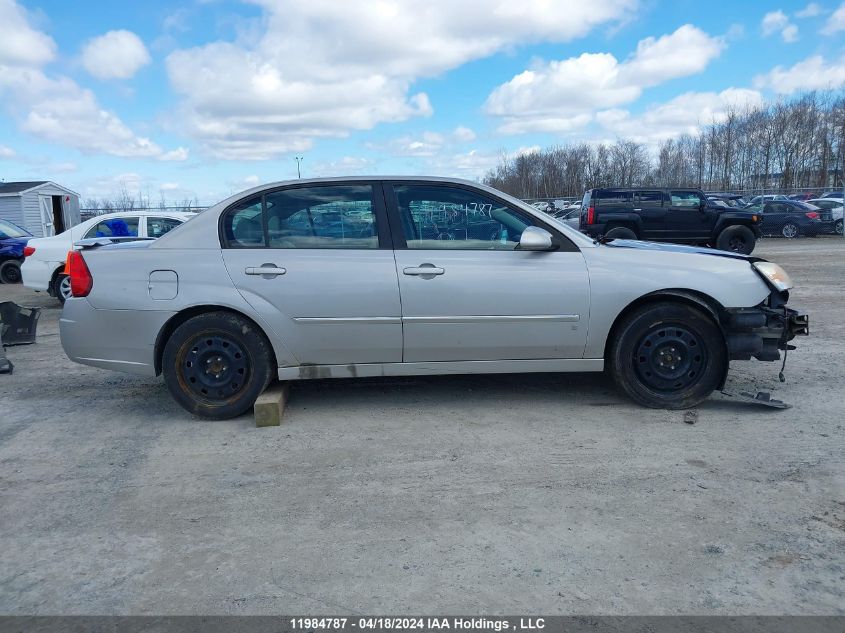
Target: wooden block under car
[{"x": 270, "y": 406}]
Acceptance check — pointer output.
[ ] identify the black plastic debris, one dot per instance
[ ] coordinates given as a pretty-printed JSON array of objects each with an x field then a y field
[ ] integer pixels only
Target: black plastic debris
[
  {"x": 18, "y": 323},
  {"x": 762, "y": 397}
]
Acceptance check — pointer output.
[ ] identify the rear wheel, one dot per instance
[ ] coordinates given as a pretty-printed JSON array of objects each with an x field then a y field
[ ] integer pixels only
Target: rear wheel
[
  {"x": 10, "y": 272},
  {"x": 61, "y": 287},
  {"x": 738, "y": 239},
  {"x": 668, "y": 356},
  {"x": 789, "y": 230},
  {"x": 837, "y": 228},
  {"x": 620, "y": 233},
  {"x": 217, "y": 364}
]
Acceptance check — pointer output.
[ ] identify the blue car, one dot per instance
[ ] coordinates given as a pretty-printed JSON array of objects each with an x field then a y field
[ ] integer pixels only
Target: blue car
[
  {"x": 13, "y": 239},
  {"x": 792, "y": 218}
]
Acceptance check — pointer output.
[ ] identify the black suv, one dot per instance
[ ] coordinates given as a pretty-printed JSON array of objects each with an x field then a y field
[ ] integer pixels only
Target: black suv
[{"x": 667, "y": 215}]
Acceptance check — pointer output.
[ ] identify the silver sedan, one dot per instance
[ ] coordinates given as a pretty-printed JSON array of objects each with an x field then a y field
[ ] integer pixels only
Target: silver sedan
[{"x": 347, "y": 277}]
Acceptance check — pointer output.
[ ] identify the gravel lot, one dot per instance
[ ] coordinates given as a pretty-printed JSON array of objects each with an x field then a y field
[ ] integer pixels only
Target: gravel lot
[{"x": 487, "y": 494}]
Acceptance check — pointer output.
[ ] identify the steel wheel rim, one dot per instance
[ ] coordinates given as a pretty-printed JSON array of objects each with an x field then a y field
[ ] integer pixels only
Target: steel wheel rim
[
  {"x": 736, "y": 244},
  {"x": 64, "y": 288},
  {"x": 838, "y": 227},
  {"x": 790, "y": 230},
  {"x": 669, "y": 358},
  {"x": 11, "y": 275},
  {"x": 214, "y": 368}
]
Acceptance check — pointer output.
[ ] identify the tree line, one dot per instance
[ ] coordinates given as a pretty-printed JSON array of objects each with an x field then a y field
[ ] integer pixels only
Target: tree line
[{"x": 780, "y": 146}]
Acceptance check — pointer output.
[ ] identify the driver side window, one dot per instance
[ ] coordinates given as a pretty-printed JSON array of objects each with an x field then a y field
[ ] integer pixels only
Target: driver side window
[{"x": 451, "y": 218}]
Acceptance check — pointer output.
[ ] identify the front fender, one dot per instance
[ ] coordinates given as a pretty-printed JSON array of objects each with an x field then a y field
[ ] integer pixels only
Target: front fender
[{"x": 621, "y": 276}]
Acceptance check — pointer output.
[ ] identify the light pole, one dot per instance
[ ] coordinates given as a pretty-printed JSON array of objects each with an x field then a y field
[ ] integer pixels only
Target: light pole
[{"x": 298, "y": 159}]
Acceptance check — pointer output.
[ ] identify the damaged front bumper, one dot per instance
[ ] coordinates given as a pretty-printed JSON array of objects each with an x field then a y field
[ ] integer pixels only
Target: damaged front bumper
[{"x": 762, "y": 331}]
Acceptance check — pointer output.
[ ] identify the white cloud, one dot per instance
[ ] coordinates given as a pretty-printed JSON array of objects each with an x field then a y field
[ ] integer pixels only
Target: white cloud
[
  {"x": 169, "y": 186},
  {"x": 561, "y": 96},
  {"x": 288, "y": 87},
  {"x": 812, "y": 73},
  {"x": 790, "y": 34},
  {"x": 20, "y": 44},
  {"x": 6, "y": 152},
  {"x": 773, "y": 22},
  {"x": 115, "y": 55},
  {"x": 835, "y": 22},
  {"x": 463, "y": 134},
  {"x": 778, "y": 21},
  {"x": 810, "y": 11},
  {"x": 685, "y": 114},
  {"x": 346, "y": 166},
  {"x": 178, "y": 154},
  {"x": 56, "y": 108}
]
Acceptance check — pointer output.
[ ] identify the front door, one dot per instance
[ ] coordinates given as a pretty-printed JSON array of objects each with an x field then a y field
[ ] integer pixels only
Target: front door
[
  {"x": 468, "y": 294},
  {"x": 45, "y": 205},
  {"x": 316, "y": 262},
  {"x": 688, "y": 217}
]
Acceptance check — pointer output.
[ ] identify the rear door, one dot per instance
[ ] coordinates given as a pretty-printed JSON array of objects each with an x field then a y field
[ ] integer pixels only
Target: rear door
[
  {"x": 688, "y": 218},
  {"x": 467, "y": 294},
  {"x": 648, "y": 204},
  {"x": 316, "y": 261}
]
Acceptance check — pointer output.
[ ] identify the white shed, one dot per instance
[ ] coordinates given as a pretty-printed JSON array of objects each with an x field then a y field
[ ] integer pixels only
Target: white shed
[{"x": 42, "y": 207}]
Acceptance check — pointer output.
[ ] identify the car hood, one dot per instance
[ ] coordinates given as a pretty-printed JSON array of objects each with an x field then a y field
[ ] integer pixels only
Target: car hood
[
  {"x": 13, "y": 244},
  {"x": 678, "y": 248}
]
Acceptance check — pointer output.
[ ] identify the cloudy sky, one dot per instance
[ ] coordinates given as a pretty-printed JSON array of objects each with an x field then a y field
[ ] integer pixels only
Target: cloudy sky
[{"x": 202, "y": 98}]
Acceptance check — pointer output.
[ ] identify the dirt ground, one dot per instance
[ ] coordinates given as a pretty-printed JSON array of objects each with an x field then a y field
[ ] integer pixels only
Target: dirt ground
[{"x": 479, "y": 494}]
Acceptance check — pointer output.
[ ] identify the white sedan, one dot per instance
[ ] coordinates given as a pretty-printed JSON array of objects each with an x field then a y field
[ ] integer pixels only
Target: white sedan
[
  {"x": 43, "y": 268},
  {"x": 835, "y": 206}
]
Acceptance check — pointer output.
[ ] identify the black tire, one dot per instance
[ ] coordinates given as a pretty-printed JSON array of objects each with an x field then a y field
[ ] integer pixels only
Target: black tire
[
  {"x": 837, "y": 228},
  {"x": 222, "y": 342},
  {"x": 790, "y": 230},
  {"x": 737, "y": 239},
  {"x": 620, "y": 233},
  {"x": 10, "y": 272},
  {"x": 668, "y": 355},
  {"x": 61, "y": 287}
]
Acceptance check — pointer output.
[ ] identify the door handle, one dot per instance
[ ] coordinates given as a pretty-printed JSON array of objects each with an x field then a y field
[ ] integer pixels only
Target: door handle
[
  {"x": 268, "y": 271},
  {"x": 424, "y": 270}
]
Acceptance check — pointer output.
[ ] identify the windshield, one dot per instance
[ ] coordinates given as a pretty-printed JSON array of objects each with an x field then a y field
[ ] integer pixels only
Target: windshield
[{"x": 7, "y": 229}]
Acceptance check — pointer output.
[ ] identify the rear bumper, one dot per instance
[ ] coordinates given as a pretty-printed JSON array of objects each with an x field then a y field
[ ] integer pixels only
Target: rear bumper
[
  {"x": 38, "y": 273},
  {"x": 121, "y": 340},
  {"x": 762, "y": 331}
]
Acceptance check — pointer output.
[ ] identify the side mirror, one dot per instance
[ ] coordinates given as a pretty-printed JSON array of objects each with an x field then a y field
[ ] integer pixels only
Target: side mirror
[{"x": 535, "y": 239}]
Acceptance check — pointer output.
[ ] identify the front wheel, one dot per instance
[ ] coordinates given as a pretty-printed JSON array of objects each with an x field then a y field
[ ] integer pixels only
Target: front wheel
[
  {"x": 789, "y": 231},
  {"x": 837, "y": 228},
  {"x": 217, "y": 364},
  {"x": 668, "y": 356},
  {"x": 738, "y": 239},
  {"x": 10, "y": 272}
]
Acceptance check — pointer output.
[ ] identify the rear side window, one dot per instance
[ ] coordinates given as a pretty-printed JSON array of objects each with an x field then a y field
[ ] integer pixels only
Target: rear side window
[
  {"x": 243, "y": 225},
  {"x": 322, "y": 217},
  {"x": 651, "y": 198},
  {"x": 341, "y": 216},
  {"x": 114, "y": 227},
  {"x": 156, "y": 227},
  {"x": 606, "y": 197}
]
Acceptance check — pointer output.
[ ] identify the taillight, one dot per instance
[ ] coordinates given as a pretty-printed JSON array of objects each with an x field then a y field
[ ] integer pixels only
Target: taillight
[
  {"x": 591, "y": 215},
  {"x": 812, "y": 215},
  {"x": 81, "y": 280},
  {"x": 28, "y": 250}
]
